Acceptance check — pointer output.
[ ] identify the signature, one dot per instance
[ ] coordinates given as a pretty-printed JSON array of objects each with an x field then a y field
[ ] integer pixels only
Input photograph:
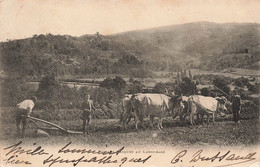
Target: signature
[{"x": 219, "y": 157}]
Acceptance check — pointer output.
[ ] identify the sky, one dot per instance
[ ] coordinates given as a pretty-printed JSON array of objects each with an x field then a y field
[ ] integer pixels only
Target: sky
[{"x": 25, "y": 18}]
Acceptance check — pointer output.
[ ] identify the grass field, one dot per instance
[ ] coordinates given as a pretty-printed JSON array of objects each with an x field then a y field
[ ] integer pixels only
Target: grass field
[{"x": 109, "y": 132}]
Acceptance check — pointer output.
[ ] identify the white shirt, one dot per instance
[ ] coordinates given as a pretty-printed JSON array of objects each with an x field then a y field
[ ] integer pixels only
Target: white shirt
[{"x": 26, "y": 105}]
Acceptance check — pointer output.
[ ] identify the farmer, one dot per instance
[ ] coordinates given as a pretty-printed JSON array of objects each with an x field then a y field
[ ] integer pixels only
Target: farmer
[
  {"x": 87, "y": 107},
  {"x": 23, "y": 110},
  {"x": 236, "y": 107}
]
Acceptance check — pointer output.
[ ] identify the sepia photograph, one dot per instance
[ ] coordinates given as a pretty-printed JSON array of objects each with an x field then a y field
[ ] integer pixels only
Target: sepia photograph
[{"x": 123, "y": 83}]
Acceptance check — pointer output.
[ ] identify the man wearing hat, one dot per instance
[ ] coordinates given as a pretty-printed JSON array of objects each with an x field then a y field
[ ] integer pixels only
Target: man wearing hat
[
  {"x": 23, "y": 110},
  {"x": 87, "y": 107},
  {"x": 236, "y": 106}
]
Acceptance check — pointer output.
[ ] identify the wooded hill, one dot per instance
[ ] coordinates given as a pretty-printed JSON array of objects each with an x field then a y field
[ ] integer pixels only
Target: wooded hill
[{"x": 202, "y": 45}]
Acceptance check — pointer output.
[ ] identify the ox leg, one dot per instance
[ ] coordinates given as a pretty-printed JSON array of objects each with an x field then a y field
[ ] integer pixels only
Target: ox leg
[
  {"x": 198, "y": 118},
  {"x": 151, "y": 119},
  {"x": 192, "y": 120},
  {"x": 161, "y": 120},
  {"x": 182, "y": 118},
  {"x": 121, "y": 117},
  {"x": 208, "y": 118},
  {"x": 202, "y": 119},
  {"x": 124, "y": 127},
  {"x": 123, "y": 122},
  {"x": 213, "y": 118},
  {"x": 192, "y": 113},
  {"x": 174, "y": 115},
  {"x": 136, "y": 121},
  {"x": 141, "y": 119},
  {"x": 128, "y": 119},
  {"x": 159, "y": 125}
]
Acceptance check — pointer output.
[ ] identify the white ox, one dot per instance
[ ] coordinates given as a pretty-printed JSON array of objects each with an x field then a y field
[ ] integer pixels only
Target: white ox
[
  {"x": 202, "y": 105},
  {"x": 152, "y": 105}
]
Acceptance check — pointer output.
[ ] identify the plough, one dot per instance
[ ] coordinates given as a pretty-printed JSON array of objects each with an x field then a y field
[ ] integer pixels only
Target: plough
[{"x": 54, "y": 126}]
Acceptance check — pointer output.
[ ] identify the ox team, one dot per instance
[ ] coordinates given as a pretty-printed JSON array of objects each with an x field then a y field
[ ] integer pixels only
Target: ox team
[{"x": 149, "y": 105}]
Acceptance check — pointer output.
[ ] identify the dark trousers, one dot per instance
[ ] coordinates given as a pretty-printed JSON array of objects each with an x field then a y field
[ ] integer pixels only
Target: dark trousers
[
  {"x": 86, "y": 119},
  {"x": 236, "y": 113},
  {"x": 20, "y": 117}
]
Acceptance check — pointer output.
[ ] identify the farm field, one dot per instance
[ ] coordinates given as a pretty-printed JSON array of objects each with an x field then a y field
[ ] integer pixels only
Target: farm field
[
  {"x": 109, "y": 132},
  {"x": 161, "y": 77}
]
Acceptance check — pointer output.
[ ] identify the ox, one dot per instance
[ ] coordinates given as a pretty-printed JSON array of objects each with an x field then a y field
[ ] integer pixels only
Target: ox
[
  {"x": 152, "y": 105},
  {"x": 202, "y": 105}
]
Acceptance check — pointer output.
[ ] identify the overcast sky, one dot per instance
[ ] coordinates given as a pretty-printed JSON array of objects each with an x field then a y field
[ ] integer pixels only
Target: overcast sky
[{"x": 24, "y": 18}]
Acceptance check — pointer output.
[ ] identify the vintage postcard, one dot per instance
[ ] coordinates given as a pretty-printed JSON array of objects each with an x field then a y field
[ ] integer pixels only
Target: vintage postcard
[{"x": 123, "y": 83}]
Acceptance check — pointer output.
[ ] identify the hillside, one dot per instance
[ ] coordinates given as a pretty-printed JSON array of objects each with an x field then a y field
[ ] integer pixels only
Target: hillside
[
  {"x": 199, "y": 44},
  {"x": 66, "y": 55},
  {"x": 202, "y": 45}
]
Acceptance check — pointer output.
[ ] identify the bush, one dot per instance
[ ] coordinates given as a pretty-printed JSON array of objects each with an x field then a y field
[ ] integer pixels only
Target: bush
[
  {"x": 212, "y": 94},
  {"x": 241, "y": 82},
  {"x": 222, "y": 83},
  {"x": 14, "y": 90},
  {"x": 107, "y": 83},
  {"x": 186, "y": 87},
  {"x": 135, "y": 87},
  {"x": 245, "y": 95},
  {"x": 205, "y": 91},
  {"x": 163, "y": 87},
  {"x": 131, "y": 79},
  {"x": 159, "y": 88},
  {"x": 117, "y": 84},
  {"x": 253, "y": 88}
]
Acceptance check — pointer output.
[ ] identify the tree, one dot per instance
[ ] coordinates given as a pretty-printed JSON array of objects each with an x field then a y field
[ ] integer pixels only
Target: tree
[
  {"x": 119, "y": 84},
  {"x": 159, "y": 88},
  {"x": 48, "y": 90},
  {"x": 205, "y": 91},
  {"x": 14, "y": 90},
  {"x": 108, "y": 83},
  {"x": 221, "y": 83},
  {"x": 187, "y": 87},
  {"x": 136, "y": 87}
]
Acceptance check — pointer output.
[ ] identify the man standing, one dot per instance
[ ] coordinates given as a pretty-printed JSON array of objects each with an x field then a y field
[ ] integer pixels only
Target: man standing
[
  {"x": 236, "y": 106},
  {"x": 87, "y": 107},
  {"x": 23, "y": 110}
]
